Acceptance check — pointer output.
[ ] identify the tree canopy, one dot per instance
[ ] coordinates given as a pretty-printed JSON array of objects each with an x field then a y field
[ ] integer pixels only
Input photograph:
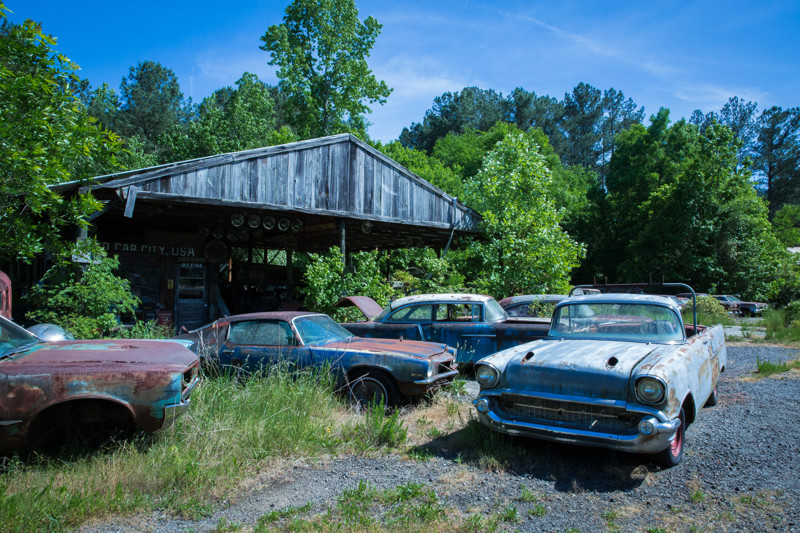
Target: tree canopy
[
  {"x": 46, "y": 137},
  {"x": 321, "y": 51}
]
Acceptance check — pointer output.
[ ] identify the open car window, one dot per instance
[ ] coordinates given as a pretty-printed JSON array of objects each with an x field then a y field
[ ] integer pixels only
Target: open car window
[{"x": 636, "y": 322}]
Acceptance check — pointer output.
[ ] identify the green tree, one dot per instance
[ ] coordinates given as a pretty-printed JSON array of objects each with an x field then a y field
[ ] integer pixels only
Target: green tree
[
  {"x": 525, "y": 249},
  {"x": 151, "y": 103},
  {"x": 85, "y": 298},
  {"x": 619, "y": 114},
  {"x": 456, "y": 113},
  {"x": 786, "y": 225},
  {"x": 321, "y": 51},
  {"x": 679, "y": 206},
  {"x": 583, "y": 116},
  {"x": 777, "y": 155},
  {"x": 46, "y": 137},
  {"x": 427, "y": 167},
  {"x": 328, "y": 280},
  {"x": 230, "y": 120}
]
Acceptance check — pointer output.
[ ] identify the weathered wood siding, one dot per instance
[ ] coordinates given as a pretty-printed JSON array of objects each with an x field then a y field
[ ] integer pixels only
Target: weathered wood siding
[{"x": 338, "y": 175}]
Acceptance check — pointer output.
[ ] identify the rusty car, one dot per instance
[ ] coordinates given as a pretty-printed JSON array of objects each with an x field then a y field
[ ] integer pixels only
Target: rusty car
[
  {"x": 475, "y": 324},
  {"x": 618, "y": 371},
  {"x": 370, "y": 370},
  {"x": 738, "y": 307},
  {"x": 79, "y": 393}
]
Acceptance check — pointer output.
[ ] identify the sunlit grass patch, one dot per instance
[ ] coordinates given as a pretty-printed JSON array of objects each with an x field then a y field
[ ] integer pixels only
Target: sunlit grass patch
[
  {"x": 766, "y": 368},
  {"x": 233, "y": 430}
]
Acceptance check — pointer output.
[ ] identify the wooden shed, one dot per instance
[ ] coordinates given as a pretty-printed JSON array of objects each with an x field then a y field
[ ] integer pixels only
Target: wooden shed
[{"x": 204, "y": 237}]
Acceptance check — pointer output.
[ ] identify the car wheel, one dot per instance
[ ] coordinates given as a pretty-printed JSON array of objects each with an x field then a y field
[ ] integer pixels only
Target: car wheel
[
  {"x": 672, "y": 455},
  {"x": 373, "y": 388},
  {"x": 713, "y": 399}
]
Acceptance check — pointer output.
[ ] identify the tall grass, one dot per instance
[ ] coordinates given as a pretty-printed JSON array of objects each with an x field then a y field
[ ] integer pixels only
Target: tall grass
[
  {"x": 232, "y": 430},
  {"x": 780, "y": 326}
]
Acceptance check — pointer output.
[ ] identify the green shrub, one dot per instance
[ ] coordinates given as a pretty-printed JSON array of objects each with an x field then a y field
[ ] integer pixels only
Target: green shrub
[
  {"x": 709, "y": 312},
  {"x": 328, "y": 280},
  {"x": 84, "y": 297}
]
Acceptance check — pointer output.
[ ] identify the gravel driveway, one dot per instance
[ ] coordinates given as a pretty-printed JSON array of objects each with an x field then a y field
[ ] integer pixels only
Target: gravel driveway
[{"x": 740, "y": 473}]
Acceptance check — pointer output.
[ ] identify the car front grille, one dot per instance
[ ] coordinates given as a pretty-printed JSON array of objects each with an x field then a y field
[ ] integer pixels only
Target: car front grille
[{"x": 571, "y": 414}]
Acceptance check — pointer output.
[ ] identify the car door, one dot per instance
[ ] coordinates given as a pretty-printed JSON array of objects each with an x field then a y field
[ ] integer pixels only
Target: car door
[
  {"x": 255, "y": 345},
  {"x": 461, "y": 325},
  {"x": 408, "y": 322}
]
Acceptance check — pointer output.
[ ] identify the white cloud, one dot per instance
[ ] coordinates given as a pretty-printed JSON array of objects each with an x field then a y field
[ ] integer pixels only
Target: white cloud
[{"x": 710, "y": 97}]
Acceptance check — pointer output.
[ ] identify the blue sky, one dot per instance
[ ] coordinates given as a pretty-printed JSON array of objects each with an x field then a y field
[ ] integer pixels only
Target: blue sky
[{"x": 679, "y": 55}]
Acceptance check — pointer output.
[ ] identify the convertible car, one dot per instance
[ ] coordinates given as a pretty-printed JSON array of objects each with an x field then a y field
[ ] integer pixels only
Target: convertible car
[
  {"x": 618, "y": 371},
  {"x": 372, "y": 370}
]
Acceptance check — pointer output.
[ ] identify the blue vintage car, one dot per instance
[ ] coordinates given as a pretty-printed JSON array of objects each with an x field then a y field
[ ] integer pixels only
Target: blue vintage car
[
  {"x": 474, "y": 323},
  {"x": 372, "y": 370},
  {"x": 618, "y": 371}
]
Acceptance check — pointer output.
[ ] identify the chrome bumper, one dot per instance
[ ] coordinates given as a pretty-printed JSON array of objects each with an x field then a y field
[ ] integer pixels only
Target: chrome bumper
[
  {"x": 661, "y": 432},
  {"x": 173, "y": 411},
  {"x": 436, "y": 377}
]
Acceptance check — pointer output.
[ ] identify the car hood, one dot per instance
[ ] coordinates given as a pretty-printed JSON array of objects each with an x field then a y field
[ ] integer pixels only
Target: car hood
[
  {"x": 136, "y": 352},
  {"x": 418, "y": 349},
  {"x": 586, "y": 368}
]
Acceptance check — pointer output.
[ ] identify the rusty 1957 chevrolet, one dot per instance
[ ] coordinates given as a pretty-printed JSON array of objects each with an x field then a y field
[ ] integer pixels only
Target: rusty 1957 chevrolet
[
  {"x": 78, "y": 393},
  {"x": 373, "y": 370},
  {"x": 618, "y": 371}
]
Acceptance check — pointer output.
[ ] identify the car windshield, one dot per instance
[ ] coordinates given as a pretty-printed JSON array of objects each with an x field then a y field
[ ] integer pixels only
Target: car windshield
[
  {"x": 733, "y": 299},
  {"x": 319, "y": 329},
  {"x": 13, "y": 338},
  {"x": 636, "y": 322}
]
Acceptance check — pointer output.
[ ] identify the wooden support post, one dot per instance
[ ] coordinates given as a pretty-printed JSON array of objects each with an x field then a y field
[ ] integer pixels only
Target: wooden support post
[
  {"x": 342, "y": 241},
  {"x": 289, "y": 280}
]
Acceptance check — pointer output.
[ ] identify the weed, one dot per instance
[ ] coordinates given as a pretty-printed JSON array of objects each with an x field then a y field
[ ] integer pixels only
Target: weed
[
  {"x": 457, "y": 387},
  {"x": 420, "y": 454},
  {"x": 274, "y": 516},
  {"x": 698, "y": 496},
  {"x": 768, "y": 368},
  {"x": 509, "y": 514},
  {"x": 656, "y": 530},
  {"x": 526, "y": 495},
  {"x": 537, "y": 511},
  {"x": 224, "y": 525}
]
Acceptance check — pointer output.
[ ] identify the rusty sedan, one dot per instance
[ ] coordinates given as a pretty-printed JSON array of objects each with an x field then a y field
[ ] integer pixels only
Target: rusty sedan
[
  {"x": 371, "y": 370},
  {"x": 79, "y": 393},
  {"x": 475, "y": 324},
  {"x": 618, "y": 371}
]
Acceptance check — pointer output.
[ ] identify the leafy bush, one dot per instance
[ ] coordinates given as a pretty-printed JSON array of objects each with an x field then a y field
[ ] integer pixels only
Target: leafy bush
[
  {"x": 709, "y": 312},
  {"x": 84, "y": 298},
  {"x": 327, "y": 281}
]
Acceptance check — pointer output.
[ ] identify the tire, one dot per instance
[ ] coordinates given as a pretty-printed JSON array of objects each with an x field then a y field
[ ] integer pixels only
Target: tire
[
  {"x": 373, "y": 387},
  {"x": 713, "y": 399},
  {"x": 672, "y": 455},
  {"x": 77, "y": 429}
]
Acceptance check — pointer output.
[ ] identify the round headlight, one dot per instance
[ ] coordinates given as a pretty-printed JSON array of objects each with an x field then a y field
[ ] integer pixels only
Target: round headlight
[
  {"x": 649, "y": 390},
  {"x": 486, "y": 376},
  {"x": 482, "y": 405}
]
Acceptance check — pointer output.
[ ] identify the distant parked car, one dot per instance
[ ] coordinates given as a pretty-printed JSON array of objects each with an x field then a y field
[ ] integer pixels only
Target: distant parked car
[
  {"x": 618, "y": 371},
  {"x": 473, "y": 323},
  {"x": 530, "y": 304},
  {"x": 79, "y": 393},
  {"x": 373, "y": 370},
  {"x": 737, "y": 307}
]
